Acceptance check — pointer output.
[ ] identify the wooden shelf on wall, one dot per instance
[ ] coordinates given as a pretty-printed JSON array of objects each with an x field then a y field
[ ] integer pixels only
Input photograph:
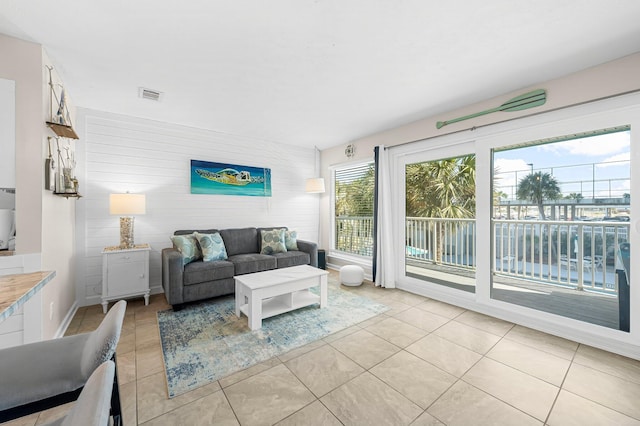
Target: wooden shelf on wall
[
  {"x": 68, "y": 194},
  {"x": 62, "y": 130}
]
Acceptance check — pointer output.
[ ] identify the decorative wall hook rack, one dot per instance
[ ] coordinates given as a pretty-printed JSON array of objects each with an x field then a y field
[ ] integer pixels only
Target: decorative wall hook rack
[{"x": 59, "y": 117}]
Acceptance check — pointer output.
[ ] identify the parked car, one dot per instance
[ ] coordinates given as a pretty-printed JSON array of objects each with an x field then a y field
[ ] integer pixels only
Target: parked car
[{"x": 616, "y": 219}]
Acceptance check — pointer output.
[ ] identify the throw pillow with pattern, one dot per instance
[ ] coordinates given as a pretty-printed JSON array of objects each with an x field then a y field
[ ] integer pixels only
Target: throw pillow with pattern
[
  {"x": 212, "y": 246},
  {"x": 291, "y": 240},
  {"x": 187, "y": 246},
  {"x": 272, "y": 241}
]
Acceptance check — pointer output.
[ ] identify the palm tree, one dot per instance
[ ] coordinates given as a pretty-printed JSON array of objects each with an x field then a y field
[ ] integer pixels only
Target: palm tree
[
  {"x": 355, "y": 198},
  {"x": 442, "y": 189},
  {"x": 498, "y": 196},
  {"x": 574, "y": 196},
  {"x": 354, "y": 202},
  {"x": 537, "y": 187}
]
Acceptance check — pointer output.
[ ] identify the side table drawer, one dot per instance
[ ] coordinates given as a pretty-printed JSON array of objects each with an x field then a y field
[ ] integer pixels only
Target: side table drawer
[{"x": 119, "y": 258}]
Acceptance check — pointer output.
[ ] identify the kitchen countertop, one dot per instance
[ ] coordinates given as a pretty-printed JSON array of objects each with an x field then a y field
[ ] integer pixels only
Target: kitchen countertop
[{"x": 16, "y": 289}]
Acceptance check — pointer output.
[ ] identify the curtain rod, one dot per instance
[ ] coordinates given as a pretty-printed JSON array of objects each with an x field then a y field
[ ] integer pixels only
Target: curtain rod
[{"x": 473, "y": 128}]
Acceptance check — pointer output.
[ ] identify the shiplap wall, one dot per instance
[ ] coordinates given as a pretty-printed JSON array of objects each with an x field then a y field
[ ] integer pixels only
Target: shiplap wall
[{"x": 118, "y": 154}]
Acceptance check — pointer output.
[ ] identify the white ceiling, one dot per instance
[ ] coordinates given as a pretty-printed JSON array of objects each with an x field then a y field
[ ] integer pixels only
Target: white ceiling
[{"x": 314, "y": 72}]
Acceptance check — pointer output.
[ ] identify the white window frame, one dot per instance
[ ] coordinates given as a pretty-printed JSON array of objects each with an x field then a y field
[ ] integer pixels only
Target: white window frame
[
  {"x": 617, "y": 111},
  {"x": 364, "y": 261}
]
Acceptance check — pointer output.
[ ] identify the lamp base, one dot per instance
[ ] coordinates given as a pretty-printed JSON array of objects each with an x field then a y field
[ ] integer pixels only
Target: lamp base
[{"x": 126, "y": 232}]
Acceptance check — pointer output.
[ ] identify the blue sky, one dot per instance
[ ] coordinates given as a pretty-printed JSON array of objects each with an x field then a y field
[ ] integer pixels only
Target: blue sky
[{"x": 573, "y": 163}]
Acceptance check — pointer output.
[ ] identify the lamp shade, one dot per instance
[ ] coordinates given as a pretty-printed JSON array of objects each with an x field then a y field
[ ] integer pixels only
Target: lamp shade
[
  {"x": 127, "y": 204},
  {"x": 315, "y": 185}
]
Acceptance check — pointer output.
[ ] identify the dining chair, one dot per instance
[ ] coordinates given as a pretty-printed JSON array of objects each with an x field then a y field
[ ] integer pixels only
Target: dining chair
[
  {"x": 41, "y": 375},
  {"x": 93, "y": 405}
]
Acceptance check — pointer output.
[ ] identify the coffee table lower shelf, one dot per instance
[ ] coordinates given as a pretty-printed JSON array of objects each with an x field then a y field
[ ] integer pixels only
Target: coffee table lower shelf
[
  {"x": 284, "y": 303},
  {"x": 264, "y": 294}
]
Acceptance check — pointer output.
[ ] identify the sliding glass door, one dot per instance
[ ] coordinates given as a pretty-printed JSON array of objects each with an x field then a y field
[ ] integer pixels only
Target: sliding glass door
[
  {"x": 561, "y": 223},
  {"x": 439, "y": 225},
  {"x": 532, "y": 222}
]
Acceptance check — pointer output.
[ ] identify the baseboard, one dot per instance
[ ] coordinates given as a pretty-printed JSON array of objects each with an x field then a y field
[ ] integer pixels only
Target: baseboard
[
  {"x": 67, "y": 320},
  {"x": 96, "y": 299}
]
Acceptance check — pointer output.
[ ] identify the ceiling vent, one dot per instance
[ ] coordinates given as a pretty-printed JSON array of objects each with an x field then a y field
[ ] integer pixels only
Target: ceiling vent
[{"x": 152, "y": 95}]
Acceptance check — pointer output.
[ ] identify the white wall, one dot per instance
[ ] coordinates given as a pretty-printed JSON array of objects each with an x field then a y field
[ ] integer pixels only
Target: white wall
[
  {"x": 58, "y": 229},
  {"x": 7, "y": 135},
  {"x": 44, "y": 222},
  {"x": 118, "y": 154},
  {"x": 602, "y": 81},
  {"x": 22, "y": 62}
]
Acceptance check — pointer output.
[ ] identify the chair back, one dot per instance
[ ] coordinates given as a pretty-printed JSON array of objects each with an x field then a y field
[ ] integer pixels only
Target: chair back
[
  {"x": 93, "y": 406},
  {"x": 101, "y": 344}
]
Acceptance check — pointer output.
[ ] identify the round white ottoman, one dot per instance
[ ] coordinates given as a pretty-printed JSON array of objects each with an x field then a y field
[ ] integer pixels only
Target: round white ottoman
[{"x": 351, "y": 275}]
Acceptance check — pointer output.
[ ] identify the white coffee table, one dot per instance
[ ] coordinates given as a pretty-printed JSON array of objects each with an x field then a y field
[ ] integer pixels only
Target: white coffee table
[{"x": 264, "y": 294}]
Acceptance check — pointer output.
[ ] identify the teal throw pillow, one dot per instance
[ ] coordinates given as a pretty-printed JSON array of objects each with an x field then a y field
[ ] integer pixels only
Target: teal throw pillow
[
  {"x": 291, "y": 240},
  {"x": 187, "y": 246},
  {"x": 273, "y": 241},
  {"x": 212, "y": 246}
]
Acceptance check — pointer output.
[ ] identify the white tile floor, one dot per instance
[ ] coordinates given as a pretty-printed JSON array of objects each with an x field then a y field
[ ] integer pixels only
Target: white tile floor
[{"x": 421, "y": 363}]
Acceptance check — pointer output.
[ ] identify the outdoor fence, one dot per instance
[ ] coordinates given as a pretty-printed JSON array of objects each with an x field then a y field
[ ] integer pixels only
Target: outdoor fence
[{"x": 576, "y": 254}]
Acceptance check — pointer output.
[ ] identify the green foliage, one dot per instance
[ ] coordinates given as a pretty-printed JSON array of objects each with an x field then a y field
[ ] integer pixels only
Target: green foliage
[
  {"x": 574, "y": 196},
  {"x": 444, "y": 188},
  {"x": 355, "y": 198},
  {"x": 537, "y": 187}
]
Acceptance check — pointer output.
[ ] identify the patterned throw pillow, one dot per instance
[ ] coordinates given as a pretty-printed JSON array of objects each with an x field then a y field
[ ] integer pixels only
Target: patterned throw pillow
[
  {"x": 212, "y": 246},
  {"x": 273, "y": 241},
  {"x": 187, "y": 246},
  {"x": 291, "y": 240}
]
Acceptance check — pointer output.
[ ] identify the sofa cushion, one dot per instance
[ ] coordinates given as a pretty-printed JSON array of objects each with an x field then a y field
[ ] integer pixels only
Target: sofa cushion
[
  {"x": 200, "y": 272},
  {"x": 272, "y": 241},
  {"x": 291, "y": 240},
  {"x": 253, "y": 262},
  {"x": 187, "y": 245},
  {"x": 292, "y": 258},
  {"x": 240, "y": 241},
  {"x": 212, "y": 246}
]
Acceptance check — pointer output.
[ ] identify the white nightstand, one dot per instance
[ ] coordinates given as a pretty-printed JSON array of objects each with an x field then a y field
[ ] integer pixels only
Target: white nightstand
[{"x": 125, "y": 273}]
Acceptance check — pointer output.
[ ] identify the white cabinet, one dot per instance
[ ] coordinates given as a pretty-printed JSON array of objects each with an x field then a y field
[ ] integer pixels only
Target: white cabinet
[{"x": 125, "y": 273}]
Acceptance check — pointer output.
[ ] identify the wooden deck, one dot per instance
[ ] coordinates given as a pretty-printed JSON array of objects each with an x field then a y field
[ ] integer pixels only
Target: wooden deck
[{"x": 591, "y": 307}]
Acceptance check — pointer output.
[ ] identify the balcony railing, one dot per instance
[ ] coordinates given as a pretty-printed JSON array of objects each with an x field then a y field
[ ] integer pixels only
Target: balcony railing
[
  {"x": 574, "y": 254},
  {"x": 444, "y": 241},
  {"x": 354, "y": 235}
]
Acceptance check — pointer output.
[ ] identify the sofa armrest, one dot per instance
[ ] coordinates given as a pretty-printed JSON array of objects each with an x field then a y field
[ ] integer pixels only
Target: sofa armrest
[
  {"x": 172, "y": 275},
  {"x": 310, "y": 248}
]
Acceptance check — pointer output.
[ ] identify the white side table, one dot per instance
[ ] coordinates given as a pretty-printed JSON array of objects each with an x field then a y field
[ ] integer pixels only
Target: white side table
[{"x": 125, "y": 273}]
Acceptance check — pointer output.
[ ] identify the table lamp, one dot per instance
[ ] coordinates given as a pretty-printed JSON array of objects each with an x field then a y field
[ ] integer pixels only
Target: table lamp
[{"x": 127, "y": 205}]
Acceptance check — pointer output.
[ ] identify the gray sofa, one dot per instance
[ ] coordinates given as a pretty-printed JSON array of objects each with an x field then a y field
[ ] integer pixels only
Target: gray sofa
[{"x": 201, "y": 280}]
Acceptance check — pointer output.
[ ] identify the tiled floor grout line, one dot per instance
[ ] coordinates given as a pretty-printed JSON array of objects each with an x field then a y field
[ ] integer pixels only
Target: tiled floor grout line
[
  {"x": 89, "y": 316},
  {"x": 561, "y": 387},
  {"x": 229, "y": 402}
]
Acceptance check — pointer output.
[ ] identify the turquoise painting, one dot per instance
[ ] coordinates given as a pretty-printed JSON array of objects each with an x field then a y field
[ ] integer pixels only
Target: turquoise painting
[{"x": 229, "y": 179}]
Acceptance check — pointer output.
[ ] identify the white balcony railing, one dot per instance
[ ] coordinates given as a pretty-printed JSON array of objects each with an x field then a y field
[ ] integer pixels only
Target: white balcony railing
[
  {"x": 354, "y": 235},
  {"x": 576, "y": 254}
]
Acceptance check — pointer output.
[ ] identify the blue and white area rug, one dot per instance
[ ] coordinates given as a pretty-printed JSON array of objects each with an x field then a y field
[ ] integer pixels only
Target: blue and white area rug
[{"x": 206, "y": 342}]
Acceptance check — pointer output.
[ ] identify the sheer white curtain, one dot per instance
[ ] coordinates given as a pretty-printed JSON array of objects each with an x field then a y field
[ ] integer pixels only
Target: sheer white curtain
[{"x": 385, "y": 275}]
